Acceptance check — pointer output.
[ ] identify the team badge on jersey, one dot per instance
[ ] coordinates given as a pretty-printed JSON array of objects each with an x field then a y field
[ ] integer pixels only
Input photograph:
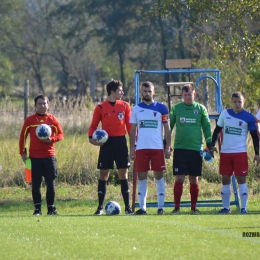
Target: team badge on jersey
[
  {"x": 182, "y": 119},
  {"x": 196, "y": 112},
  {"x": 120, "y": 115}
]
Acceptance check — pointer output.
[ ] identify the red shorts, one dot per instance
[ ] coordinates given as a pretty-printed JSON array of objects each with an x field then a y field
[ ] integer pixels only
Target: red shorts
[
  {"x": 233, "y": 163},
  {"x": 146, "y": 157}
]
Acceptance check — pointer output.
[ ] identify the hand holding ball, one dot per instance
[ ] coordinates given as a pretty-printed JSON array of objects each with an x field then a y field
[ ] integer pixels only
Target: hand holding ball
[
  {"x": 100, "y": 136},
  {"x": 43, "y": 131}
]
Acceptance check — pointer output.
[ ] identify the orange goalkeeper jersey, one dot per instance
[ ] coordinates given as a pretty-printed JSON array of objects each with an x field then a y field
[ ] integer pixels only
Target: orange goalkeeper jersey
[
  {"x": 114, "y": 118},
  {"x": 39, "y": 149}
]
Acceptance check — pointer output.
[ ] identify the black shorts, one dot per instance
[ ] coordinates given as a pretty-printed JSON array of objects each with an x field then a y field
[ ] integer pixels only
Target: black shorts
[
  {"x": 114, "y": 150},
  {"x": 44, "y": 167},
  {"x": 187, "y": 162}
]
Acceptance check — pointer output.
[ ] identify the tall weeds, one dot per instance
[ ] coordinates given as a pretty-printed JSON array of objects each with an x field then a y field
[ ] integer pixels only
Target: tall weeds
[{"x": 77, "y": 158}]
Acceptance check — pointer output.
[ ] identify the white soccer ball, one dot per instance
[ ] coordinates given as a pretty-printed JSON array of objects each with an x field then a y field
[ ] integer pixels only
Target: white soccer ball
[
  {"x": 100, "y": 135},
  {"x": 112, "y": 208},
  {"x": 43, "y": 131}
]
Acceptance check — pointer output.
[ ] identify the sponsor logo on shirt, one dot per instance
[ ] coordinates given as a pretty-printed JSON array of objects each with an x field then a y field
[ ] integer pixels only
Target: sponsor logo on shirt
[
  {"x": 148, "y": 124},
  {"x": 233, "y": 130},
  {"x": 188, "y": 120}
]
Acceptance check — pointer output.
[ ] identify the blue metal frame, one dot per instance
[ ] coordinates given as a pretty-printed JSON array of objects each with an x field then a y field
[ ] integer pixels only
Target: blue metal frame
[
  {"x": 219, "y": 108},
  {"x": 176, "y": 71}
]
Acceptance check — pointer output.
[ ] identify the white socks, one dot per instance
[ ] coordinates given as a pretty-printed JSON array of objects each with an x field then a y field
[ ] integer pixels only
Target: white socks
[
  {"x": 143, "y": 189},
  {"x": 243, "y": 191},
  {"x": 160, "y": 188},
  {"x": 225, "y": 194},
  {"x": 142, "y": 193}
]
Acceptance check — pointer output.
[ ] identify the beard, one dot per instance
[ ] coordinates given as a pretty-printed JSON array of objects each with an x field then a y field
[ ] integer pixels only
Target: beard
[{"x": 147, "y": 99}]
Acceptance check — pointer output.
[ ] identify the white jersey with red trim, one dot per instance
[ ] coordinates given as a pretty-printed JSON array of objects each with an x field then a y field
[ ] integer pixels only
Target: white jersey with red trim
[
  {"x": 235, "y": 130},
  {"x": 149, "y": 120}
]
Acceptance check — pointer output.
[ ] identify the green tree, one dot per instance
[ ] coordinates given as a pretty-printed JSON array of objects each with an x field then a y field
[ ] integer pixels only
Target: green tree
[
  {"x": 116, "y": 23},
  {"x": 24, "y": 28},
  {"x": 229, "y": 25},
  {"x": 69, "y": 35},
  {"x": 6, "y": 75}
]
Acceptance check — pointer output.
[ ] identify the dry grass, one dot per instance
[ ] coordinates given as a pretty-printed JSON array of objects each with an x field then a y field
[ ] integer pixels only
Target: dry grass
[{"x": 77, "y": 158}]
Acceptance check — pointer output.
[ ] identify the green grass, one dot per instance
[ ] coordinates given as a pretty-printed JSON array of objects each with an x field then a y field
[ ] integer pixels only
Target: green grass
[{"x": 77, "y": 234}]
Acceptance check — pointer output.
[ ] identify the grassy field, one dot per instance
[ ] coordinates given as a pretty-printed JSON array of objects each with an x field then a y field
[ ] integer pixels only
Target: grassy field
[{"x": 77, "y": 234}]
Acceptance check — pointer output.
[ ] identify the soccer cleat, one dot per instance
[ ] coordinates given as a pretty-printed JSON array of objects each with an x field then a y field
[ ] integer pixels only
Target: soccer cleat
[
  {"x": 224, "y": 211},
  {"x": 52, "y": 211},
  {"x": 37, "y": 212},
  {"x": 195, "y": 212},
  {"x": 99, "y": 212},
  {"x": 175, "y": 211},
  {"x": 243, "y": 211},
  {"x": 160, "y": 212},
  {"x": 140, "y": 212},
  {"x": 128, "y": 211}
]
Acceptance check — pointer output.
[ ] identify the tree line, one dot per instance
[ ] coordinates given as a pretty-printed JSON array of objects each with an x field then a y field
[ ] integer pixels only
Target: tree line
[{"x": 54, "y": 43}]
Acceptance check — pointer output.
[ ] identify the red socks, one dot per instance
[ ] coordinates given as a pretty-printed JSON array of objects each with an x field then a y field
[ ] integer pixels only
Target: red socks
[
  {"x": 194, "y": 193},
  {"x": 177, "y": 192}
]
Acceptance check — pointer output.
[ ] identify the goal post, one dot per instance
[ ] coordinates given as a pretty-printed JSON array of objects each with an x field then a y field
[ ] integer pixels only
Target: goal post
[{"x": 212, "y": 116}]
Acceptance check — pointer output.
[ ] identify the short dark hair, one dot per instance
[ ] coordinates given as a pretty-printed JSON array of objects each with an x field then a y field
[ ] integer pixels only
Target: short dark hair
[
  {"x": 188, "y": 87},
  {"x": 237, "y": 94},
  {"x": 113, "y": 86},
  {"x": 40, "y": 96},
  {"x": 147, "y": 84}
]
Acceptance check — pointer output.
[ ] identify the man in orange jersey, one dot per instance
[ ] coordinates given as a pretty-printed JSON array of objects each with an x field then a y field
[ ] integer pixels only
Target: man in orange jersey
[
  {"x": 41, "y": 153},
  {"x": 114, "y": 115}
]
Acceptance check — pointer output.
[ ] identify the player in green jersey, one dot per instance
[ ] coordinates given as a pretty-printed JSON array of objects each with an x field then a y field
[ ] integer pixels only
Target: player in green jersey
[{"x": 189, "y": 118}]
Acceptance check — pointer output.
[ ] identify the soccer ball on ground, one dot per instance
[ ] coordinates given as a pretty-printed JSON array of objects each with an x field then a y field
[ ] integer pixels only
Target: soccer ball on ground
[
  {"x": 43, "y": 131},
  {"x": 100, "y": 135},
  {"x": 112, "y": 208}
]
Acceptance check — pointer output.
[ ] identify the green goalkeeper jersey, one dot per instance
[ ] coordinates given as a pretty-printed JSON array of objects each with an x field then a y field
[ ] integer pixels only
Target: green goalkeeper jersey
[{"x": 190, "y": 121}]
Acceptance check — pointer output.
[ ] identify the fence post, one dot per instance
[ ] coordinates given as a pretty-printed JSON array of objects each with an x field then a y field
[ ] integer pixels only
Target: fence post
[
  {"x": 92, "y": 81},
  {"x": 26, "y": 98}
]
